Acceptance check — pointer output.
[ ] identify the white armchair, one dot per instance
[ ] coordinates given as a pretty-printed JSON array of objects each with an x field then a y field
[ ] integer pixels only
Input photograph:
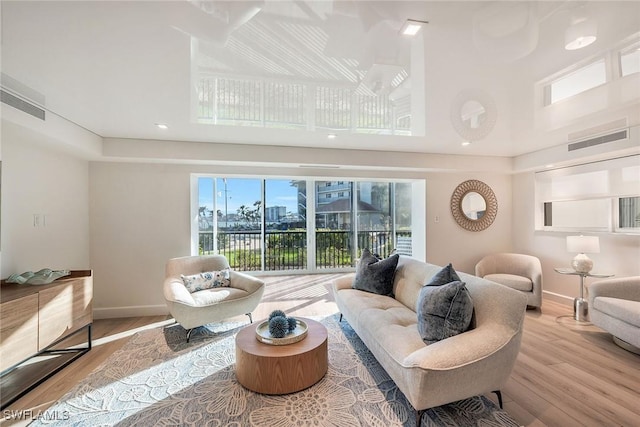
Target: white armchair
[
  {"x": 209, "y": 305},
  {"x": 517, "y": 271}
]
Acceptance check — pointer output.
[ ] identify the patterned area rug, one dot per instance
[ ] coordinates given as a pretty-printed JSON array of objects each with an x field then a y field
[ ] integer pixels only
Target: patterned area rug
[{"x": 157, "y": 379}]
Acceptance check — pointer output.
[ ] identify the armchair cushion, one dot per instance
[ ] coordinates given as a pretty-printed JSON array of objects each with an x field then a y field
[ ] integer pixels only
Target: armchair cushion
[
  {"x": 622, "y": 309},
  {"x": 519, "y": 283},
  {"x": 207, "y": 280}
]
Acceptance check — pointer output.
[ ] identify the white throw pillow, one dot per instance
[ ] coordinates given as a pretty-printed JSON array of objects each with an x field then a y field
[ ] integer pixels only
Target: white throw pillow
[{"x": 207, "y": 280}]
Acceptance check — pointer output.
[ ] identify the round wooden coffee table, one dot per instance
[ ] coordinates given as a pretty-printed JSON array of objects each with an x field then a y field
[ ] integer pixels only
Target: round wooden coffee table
[{"x": 281, "y": 369}]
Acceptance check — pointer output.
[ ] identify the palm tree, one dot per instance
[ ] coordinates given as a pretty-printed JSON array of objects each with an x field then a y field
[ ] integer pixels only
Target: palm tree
[{"x": 244, "y": 213}]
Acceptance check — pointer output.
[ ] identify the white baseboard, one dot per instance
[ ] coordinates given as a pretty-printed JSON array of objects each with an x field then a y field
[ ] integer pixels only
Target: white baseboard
[
  {"x": 130, "y": 311},
  {"x": 559, "y": 298}
]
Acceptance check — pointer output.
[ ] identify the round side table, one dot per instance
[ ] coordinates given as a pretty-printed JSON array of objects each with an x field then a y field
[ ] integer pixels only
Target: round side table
[
  {"x": 581, "y": 305},
  {"x": 281, "y": 369}
]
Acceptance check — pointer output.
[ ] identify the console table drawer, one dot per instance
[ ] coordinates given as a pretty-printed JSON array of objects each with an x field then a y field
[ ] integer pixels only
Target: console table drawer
[
  {"x": 18, "y": 330},
  {"x": 64, "y": 309}
]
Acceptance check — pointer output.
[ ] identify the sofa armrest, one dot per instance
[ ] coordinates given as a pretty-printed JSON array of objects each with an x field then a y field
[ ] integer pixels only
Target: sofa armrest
[
  {"x": 620, "y": 287},
  {"x": 343, "y": 282},
  {"x": 463, "y": 349}
]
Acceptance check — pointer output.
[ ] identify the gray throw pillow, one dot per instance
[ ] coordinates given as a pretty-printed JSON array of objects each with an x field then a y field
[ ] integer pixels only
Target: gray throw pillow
[
  {"x": 375, "y": 275},
  {"x": 444, "y": 276},
  {"x": 443, "y": 311}
]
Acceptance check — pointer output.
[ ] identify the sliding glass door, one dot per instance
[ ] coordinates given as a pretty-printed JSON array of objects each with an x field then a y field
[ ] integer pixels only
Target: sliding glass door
[
  {"x": 285, "y": 225},
  {"x": 263, "y": 225},
  {"x": 334, "y": 224}
]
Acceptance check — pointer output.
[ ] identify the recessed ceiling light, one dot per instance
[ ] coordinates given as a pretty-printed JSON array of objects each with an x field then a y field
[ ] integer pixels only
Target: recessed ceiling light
[
  {"x": 332, "y": 136},
  {"x": 162, "y": 126},
  {"x": 549, "y": 166},
  {"x": 466, "y": 143},
  {"x": 580, "y": 34},
  {"x": 411, "y": 27}
]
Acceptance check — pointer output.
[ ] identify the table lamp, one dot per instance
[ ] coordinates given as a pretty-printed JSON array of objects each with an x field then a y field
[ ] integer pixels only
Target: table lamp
[{"x": 583, "y": 245}]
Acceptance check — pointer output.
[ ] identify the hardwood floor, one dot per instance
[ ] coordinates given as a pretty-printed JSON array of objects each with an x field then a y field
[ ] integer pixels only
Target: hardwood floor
[{"x": 567, "y": 373}]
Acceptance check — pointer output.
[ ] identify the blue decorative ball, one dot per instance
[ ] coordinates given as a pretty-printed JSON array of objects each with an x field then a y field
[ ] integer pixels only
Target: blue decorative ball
[
  {"x": 292, "y": 323},
  {"x": 278, "y": 326},
  {"x": 275, "y": 313}
]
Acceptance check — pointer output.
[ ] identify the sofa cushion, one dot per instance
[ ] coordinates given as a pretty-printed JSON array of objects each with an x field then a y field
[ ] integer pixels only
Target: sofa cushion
[
  {"x": 443, "y": 311},
  {"x": 375, "y": 275},
  {"x": 625, "y": 310},
  {"x": 519, "y": 283},
  {"x": 207, "y": 280}
]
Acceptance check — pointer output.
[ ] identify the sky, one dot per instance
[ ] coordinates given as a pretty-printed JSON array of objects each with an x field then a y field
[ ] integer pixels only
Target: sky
[{"x": 246, "y": 192}]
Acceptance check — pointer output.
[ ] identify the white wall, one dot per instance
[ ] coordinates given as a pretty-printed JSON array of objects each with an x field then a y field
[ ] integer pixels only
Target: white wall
[
  {"x": 619, "y": 254},
  {"x": 39, "y": 179},
  {"x": 140, "y": 217}
]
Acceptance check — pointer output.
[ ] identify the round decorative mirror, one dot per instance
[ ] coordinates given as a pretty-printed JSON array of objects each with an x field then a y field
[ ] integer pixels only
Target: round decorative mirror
[
  {"x": 473, "y": 114},
  {"x": 474, "y": 205}
]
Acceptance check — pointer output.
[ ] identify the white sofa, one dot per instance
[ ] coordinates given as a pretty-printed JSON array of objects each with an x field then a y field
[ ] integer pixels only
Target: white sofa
[
  {"x": 210, "y": 305},
  {"x": 472, "y": 363},
  {"x": 614, "y": 305}
]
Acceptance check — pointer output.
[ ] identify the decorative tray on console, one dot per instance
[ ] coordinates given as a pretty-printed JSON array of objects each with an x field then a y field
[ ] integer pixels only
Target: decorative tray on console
[{"x": 298, "y": 334}]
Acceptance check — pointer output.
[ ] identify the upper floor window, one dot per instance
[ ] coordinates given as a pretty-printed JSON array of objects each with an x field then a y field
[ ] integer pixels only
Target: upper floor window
[
  {"x": 579, "y": 81},
  {"x": 630, "y": 60}
]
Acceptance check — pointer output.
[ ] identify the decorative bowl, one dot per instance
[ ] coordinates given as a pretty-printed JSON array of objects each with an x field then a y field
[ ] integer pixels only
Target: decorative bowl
[{"x": 298, "y": 334}]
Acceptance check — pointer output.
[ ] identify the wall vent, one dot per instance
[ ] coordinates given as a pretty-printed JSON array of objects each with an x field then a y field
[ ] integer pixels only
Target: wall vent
[
  {"x": 600, "y": 129},
  {"x": 22, "y": 105},
  {"x": 615, "y": 136}
]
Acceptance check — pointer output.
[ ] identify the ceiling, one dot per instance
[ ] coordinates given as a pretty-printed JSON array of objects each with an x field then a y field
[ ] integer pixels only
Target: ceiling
[{"x": 293, "y": 72}]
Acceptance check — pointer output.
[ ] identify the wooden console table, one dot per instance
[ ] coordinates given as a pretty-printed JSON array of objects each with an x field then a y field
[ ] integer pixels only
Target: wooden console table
[{"x": 37, "y": 320}]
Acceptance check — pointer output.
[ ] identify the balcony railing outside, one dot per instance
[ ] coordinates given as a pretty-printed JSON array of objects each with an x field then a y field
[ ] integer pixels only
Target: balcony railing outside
[{"x": 287, "y": 250}]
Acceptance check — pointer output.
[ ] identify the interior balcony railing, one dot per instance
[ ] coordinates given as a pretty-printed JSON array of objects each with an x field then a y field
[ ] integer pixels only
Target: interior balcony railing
[{"x": 287, "y": 250}]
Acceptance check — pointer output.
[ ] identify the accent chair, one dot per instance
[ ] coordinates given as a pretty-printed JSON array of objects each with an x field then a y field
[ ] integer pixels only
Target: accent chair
[
  {"x": 197, "y": 308},
  {"x": 517, "y": 271},
  {"x": 614, "y": 305}
]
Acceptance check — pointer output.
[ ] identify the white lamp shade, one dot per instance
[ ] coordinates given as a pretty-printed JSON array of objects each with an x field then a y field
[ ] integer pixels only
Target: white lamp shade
[{"x": 583, "y": 244}]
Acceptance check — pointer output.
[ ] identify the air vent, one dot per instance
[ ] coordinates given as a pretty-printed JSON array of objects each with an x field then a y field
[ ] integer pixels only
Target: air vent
[
  {"x": 615, "y": 136},
  {"x": 600, "y": 129},
  {"x": 21, "y": 105}
]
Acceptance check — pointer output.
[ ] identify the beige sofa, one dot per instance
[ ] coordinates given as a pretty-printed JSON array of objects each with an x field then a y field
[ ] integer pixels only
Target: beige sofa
[
  {"x": 473, "y": 363},
  {"x": 614, "y": 305},
  {"x": 210, "y": 305}
]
